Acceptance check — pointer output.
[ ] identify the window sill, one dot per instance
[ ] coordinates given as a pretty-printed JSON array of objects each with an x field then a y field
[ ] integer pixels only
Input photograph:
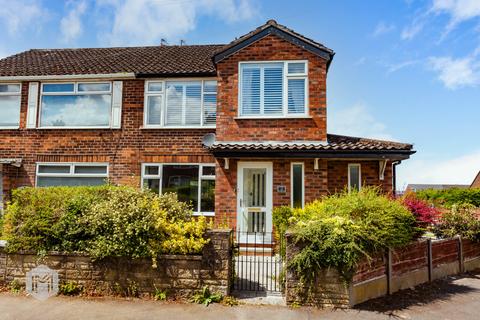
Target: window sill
[
  {"x": 76, "y": 128},
  {"x": 176, "y": 127},
  {"x": 272, "y": 118},
  {"x": 205, "y": 214},
  {"x": 9, "y": 128}
]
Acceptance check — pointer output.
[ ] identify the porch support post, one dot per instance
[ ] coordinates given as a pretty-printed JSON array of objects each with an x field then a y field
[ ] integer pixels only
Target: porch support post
[
  {"x": 315, "y": 165},
  {"x": 227, "y": 164}
]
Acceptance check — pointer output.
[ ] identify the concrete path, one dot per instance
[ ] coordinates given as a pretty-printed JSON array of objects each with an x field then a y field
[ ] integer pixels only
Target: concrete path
[{"x": 454, "y": 298}]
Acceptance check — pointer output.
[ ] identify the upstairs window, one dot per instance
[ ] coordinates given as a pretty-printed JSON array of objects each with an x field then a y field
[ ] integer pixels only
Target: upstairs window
[
  {"x": 76, "y": 105},
  {"x": 273, "y": 89},
  {"x": 180, "y": 103},
  {"x": 10, "y": 106}
]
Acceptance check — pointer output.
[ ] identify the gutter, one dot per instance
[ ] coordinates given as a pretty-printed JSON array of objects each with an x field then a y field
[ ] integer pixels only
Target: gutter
[{"x": 122, "y": 75}]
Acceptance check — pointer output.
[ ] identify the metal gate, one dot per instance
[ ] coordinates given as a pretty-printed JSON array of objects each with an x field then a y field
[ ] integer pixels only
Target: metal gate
[{"x": 258, "y": 263}]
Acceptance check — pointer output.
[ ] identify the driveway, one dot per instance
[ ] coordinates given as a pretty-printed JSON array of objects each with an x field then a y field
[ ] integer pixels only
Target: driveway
[{"x": 453, "y": 298}]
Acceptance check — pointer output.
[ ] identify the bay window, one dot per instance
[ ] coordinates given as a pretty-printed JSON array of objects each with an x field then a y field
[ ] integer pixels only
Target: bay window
[
  {"x": 180, "y": 103},
  {"x": 273, "y": 89},
  {"x": 193, "y": 183},
  {"x": 76, "y": 105},
  {"x": 71, "y": 174},
  {"x": 10, "y": 106}
]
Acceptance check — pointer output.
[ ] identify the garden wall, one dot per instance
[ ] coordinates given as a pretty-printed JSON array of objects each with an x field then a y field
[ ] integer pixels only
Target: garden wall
[
  {"x": 181, "y": 275},
  {"x": 394, "y": 270}
]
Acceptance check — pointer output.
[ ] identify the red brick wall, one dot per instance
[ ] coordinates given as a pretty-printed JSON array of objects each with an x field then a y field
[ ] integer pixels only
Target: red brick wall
[
  {"x": 271, "y": 48},
  {"x": 317, "y": 183},
  {"x": 226, "y": 186},
  {"x": 338, "y": 175},
  {"x": 124, "y": 149}
]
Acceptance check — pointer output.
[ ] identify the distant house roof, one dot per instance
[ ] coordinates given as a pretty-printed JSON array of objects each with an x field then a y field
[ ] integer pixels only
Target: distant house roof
[
  {"x": 418, "y": 187},
  {"x": 336, "y": 144},
  {"x": 187, "y": 60},
  {"x": 272, "y": 27},
  {"x": 476, "y": 181}
]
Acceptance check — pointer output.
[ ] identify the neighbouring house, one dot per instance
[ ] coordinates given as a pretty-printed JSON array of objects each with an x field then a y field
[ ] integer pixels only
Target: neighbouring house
[
  {"x": 419, "y": 187},
  {"x": 234, "y": 129},
  {"x": 476, "y": 182}
]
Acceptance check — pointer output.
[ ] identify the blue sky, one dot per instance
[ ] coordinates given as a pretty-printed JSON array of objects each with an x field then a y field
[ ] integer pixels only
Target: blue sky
[{"x": 407, "y": 70}]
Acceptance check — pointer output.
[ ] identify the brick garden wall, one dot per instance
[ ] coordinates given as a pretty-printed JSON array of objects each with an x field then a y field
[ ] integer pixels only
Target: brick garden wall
[
  {"x": 386, "y": 273},
  {"x": 181, "y": 275}
]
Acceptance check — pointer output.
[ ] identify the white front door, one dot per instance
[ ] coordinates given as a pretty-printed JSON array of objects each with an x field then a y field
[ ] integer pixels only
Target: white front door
[{"x": 254, "y": 197}]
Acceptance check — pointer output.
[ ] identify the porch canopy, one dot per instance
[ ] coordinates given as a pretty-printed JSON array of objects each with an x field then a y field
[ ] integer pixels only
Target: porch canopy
[
  {"x": 13, "y": 162},
  {"x": 336, "y": 147}
]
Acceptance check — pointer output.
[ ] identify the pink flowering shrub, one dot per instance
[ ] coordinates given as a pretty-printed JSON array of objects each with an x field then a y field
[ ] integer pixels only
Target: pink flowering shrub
[{"x": 424, "y": 212}]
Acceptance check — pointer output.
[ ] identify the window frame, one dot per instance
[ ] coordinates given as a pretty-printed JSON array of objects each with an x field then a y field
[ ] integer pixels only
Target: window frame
[
  {"x": 303, "y": 183},
  {"x": 350, "y": 165},
  {"x": 163, "y": 94},
  {"x": 17, "y": 94},
  {"x": 286, "y": 77},
  {"x": 201, "y": 177},
  {"x": 79, "y": 93},
  {"x": 72, "y": 173}
]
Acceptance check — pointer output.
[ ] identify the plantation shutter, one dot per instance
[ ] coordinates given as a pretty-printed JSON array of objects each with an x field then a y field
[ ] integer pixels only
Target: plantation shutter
[
  {"x": 32, "y": 105},
  {"x": 193, "y": 103},
  {"x": 250, "y": 91},
  {"x": 174, "y": 110},
  {"x": 296, "y": 96},
  {"x": 273, "y": 90},
  {"x": 209, "y": 102},
  {"x": 117, "y": 104}
]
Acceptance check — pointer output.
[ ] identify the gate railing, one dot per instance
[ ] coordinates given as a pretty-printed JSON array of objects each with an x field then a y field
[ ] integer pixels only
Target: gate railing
[{"x": 258, "y": 262}]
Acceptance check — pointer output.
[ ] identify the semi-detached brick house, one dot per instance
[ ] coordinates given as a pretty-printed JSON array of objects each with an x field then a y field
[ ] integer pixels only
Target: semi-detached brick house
[{"x": 236, "y": 129}]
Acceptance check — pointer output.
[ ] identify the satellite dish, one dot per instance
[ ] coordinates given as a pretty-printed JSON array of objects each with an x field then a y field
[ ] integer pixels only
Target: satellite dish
[{"x": 208, "y": 140}]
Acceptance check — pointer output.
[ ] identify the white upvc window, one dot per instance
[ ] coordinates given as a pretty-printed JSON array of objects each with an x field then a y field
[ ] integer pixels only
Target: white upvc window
[
  {"x": 193, "y": 183},
  {"x": 81, "y": 105},
  {"x": 297, "y": 184},
  {"x": 354, "y": 176},
  {"x": 10, "y": 96},
  {"x": 71, "y": 174},
  {"x": 273, "y": 89},
  {"x": 180, "y": 104}
]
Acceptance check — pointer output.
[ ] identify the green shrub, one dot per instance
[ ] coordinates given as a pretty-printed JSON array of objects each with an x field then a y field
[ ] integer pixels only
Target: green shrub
[
  {"x": 206, "y": 297},
  {"x": 459, "y": 220},
  {"x": 340, "y": 230},
  {"x": 450, "y": 197},
  {"x": 102, "y": 221},
  {"x": 70, "y": 289}
]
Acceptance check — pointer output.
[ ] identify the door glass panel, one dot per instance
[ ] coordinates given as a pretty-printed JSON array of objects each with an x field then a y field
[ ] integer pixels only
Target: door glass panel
[
  {"x": 256, "y": 221},
  {"x": 254, "y": 191}
]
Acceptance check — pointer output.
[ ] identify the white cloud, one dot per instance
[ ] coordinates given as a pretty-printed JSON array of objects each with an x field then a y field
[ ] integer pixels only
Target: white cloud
[
  {"x": 459, "y": 170},
  {"x": 409, "y": 32},
  {"x": 398, "y": 66},
  {"x": 357, "y": 121},
  {"x": 459, "y": 10},
  {"x": 383, "y": 28},
  {"x": 71, "y": 25},
  {"x": 455, "y": 73},
  {"x": 148, "y": 21},
  {"x": 20, "y": 14}
]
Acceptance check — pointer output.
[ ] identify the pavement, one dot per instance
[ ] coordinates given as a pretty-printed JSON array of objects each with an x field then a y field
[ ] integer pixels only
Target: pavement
[{"x": 454, "y": 298}]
